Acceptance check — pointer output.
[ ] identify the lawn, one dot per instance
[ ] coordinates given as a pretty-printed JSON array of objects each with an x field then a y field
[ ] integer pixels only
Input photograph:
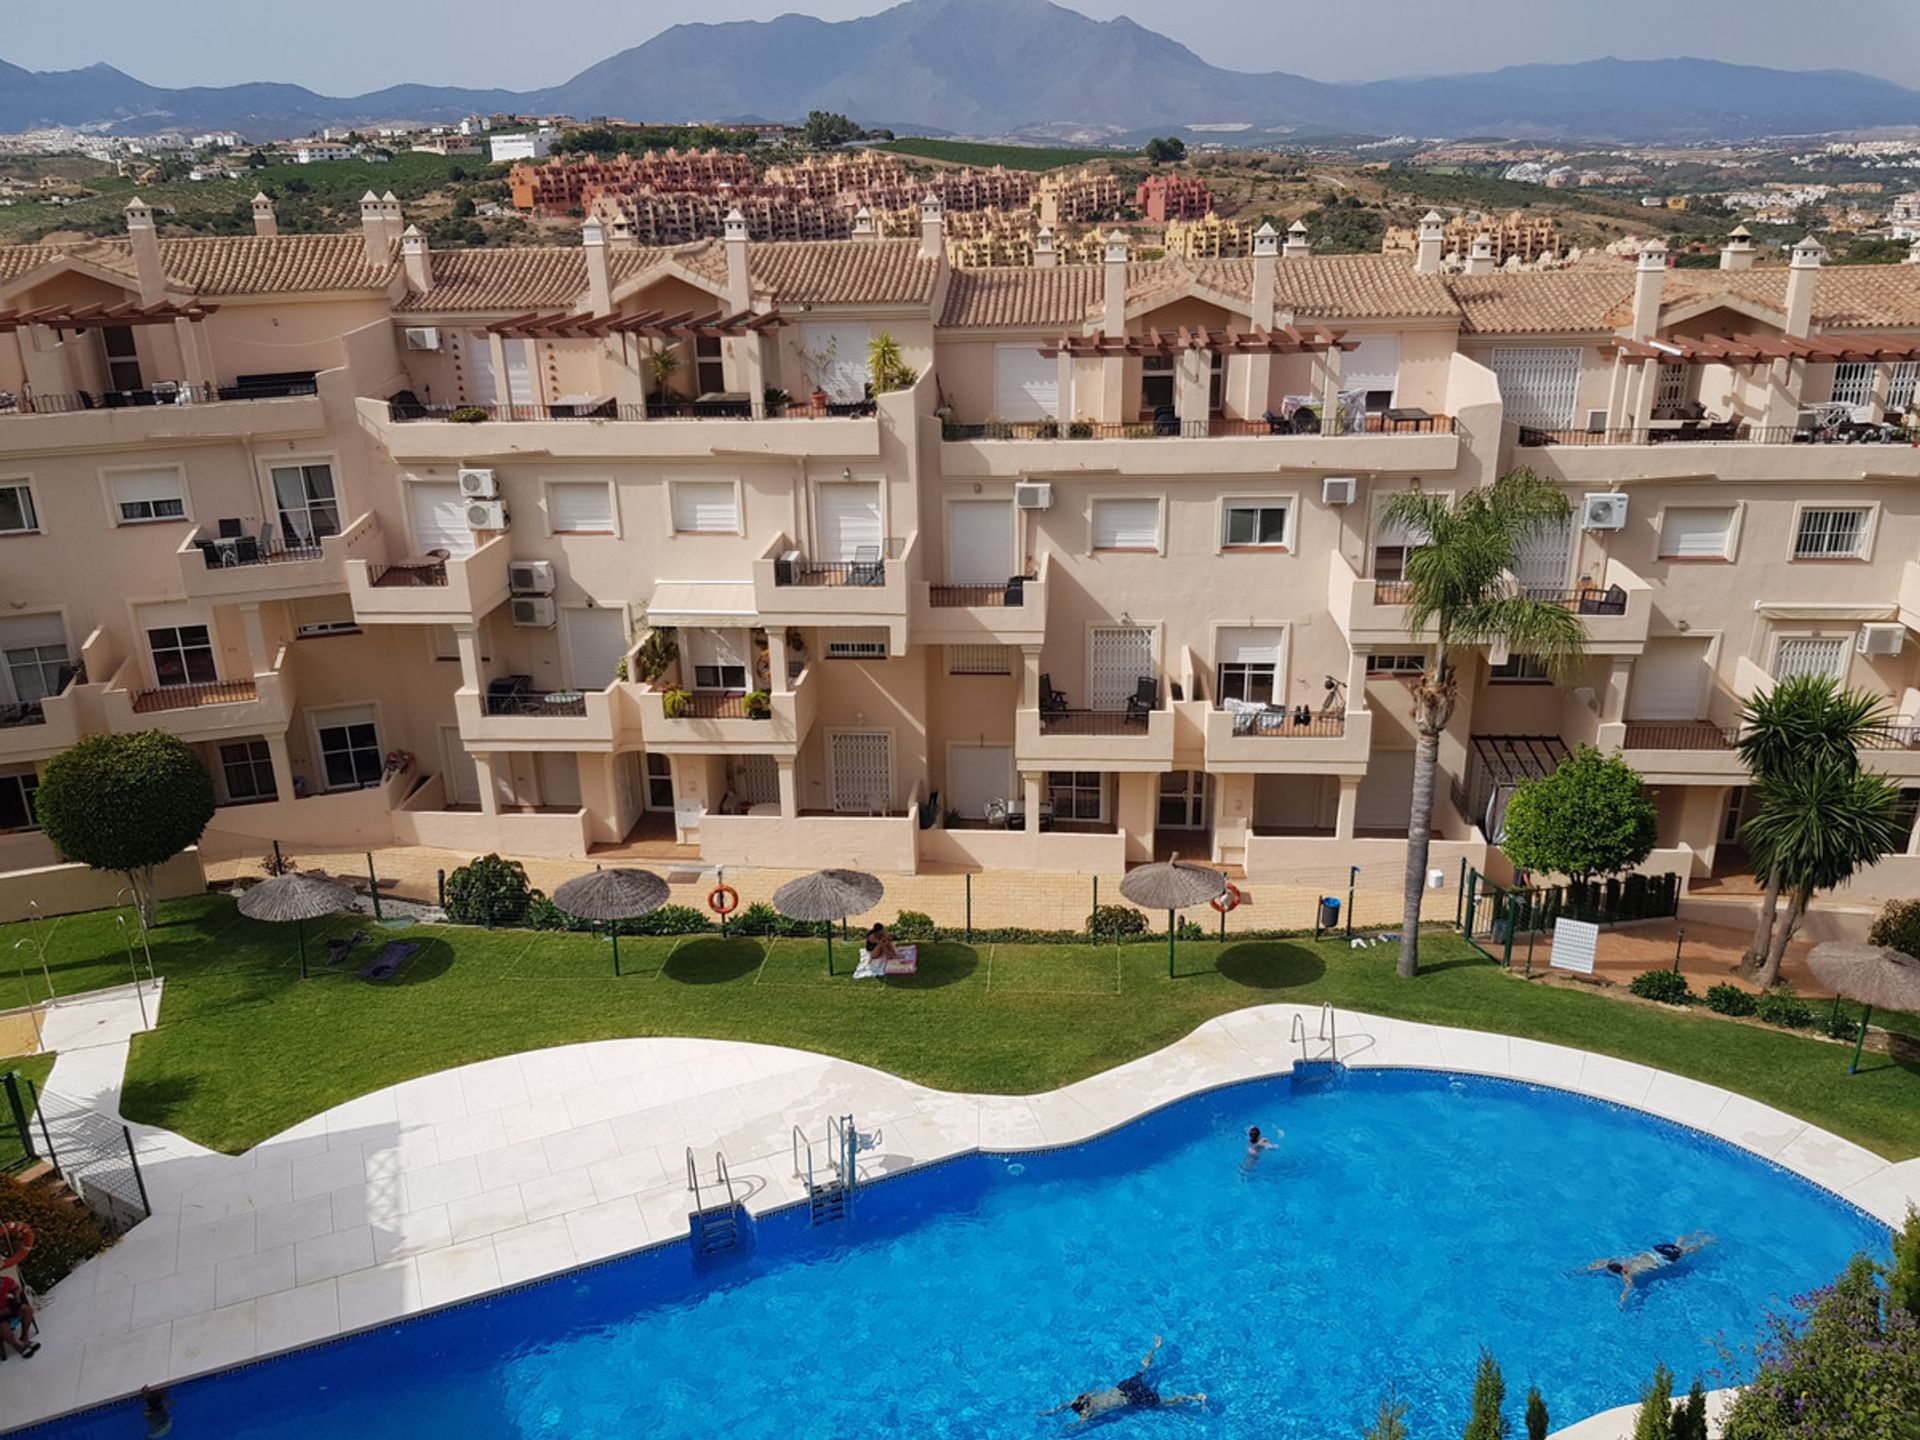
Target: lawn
[
  {"x": 30, "y": 1067},
  {"x": 246, "y": 1049}
]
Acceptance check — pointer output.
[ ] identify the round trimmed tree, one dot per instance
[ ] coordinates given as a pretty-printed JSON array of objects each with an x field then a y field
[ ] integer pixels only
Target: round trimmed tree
[
  {"x": 1591, "y": 816},
  {"x": 125, "y": 802}
]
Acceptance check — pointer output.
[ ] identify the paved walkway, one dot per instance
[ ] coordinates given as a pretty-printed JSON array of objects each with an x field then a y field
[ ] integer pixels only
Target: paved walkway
[{"x": 455, "y": 1184}]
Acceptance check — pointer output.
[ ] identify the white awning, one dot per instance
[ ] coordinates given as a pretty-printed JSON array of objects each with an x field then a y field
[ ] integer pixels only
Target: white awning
[
  {"x": 1834, "y": 611},
  {"x": 702, "y": 602}
]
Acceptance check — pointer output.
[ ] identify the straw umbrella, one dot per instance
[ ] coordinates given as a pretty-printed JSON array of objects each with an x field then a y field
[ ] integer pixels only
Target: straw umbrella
[
  {"x": 1871, "y": 974},
  {"x": 612, "y": 896},
  {"x": 298, "y": 898},
  {"x": 828, "y": 895},
  {"x": 1172, "y": 886}
]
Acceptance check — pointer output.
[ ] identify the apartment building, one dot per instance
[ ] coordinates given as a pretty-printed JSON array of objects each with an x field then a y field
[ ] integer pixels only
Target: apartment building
[{"x": 385, "y": 532}]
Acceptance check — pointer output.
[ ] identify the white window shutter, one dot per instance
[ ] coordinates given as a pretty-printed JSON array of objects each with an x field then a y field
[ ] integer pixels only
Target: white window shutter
[
  {"x": 134, "y": 485},
  {"x": 1696, "y": 533},
  {"x": 1538, "y": 383},
  {"x": 705, "y": 507},
  {"x": 581, "y": 506},
  {"x": 1026, "y": 384},
  {"x": 1251, "y": 645},
  {"x": 1126, "y": 524}
]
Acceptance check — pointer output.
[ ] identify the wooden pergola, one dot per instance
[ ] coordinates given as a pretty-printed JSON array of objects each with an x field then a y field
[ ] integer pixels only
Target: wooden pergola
[
  {"x": 103, "y": 317},
  {"x": 1766, "y": 349},
  {"x": 1287, "y": 340},
  {"x": 652, "y": 325}
]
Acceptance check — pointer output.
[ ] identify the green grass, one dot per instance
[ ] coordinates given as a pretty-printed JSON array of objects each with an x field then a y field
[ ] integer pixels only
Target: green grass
[
  {"x": 1014, "y": 157},
  {"x": 246, "y": 1049},
  {"x": 30, "y": 1067}
]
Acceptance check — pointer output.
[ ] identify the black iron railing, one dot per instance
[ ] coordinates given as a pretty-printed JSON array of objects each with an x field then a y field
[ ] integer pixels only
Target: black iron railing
[
  {"x": 402, "y": 410},
  {"x": 1391, "y": 592},
  {"x": 1282, "y": 725},
  {"x": 714, "y": 705},
  {"x": 404, "y": 577},
  {"x": 1093, "y": 722},
  {"x": 829, "y": 572},
  {"x": 1687, "y": 432},
  {"x": 556, "y": 703},
  {"x": 225, "y": 555},
  {"x": 1582, "y": 599},
  {"x": 1679, "y": 735},
  {"x": 163, "y": 393},
  {"x": 26, "y": 712},
  {"x": 956, "y": 597},
  {"x": 187, "y": 697},
  {"x": 1169, "y": 427}
]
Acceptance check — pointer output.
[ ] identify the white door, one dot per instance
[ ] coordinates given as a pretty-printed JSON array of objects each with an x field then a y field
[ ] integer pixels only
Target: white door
[
  {"x": 1119, "y": 656},
  {"x": 979, "y": 542},
  {"x": 862, "y": 771},
  {"x": 558, "y": 772},
  {"x": 1543, "y": 558},
  {"x": 1183, "y": 800},
  {"x": 596, "y": 643},
  {"x": 463, "y": 776},
  {"x": 1669, "y": 680},
  {"x": 1538, "y": 384},
  {"x": 439, "y": 518},
  {"x": 659, "y": 782},
  {"x": 1373, "y": 367},
  {"x": 519, "y": 371},
  {"x": 849, "y": 520},
  {"x": 1385, "y": 801},
  {"x": 483, "y": 388},
  {"x": 1026, "y": 384},
  {"x": 977, "y": 774},
  {"x": 845, "y": 376}
]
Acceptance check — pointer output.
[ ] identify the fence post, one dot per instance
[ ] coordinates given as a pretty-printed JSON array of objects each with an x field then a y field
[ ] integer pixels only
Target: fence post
[
  {"x": 12, "y": 1082},
  {"x": 969, "y": 907},
  {"x": 1353, "y": 874},
  {"x": 1094, "y": 914},
  {"x": 373, "y": 886},
  {"x": 138, "y": 1179},
  {"x": 1472, "y": 898},
  {"x": 279, "y": 865},
  {"x": 1506, "y": 951},
  {"x": 40, "y": 1112},
  {"x": 1460, "y": 893},
  {"x": 440, "y": 888},
  {"x": 1681, "y": 939}
]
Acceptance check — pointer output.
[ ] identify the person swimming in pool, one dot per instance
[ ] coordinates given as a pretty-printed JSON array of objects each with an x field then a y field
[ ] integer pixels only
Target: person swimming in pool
[
  {"x": 1256, "y": 1142},
  {"x": 1652, "y": 1260},
  {"x": 1132, "y": 1393}
]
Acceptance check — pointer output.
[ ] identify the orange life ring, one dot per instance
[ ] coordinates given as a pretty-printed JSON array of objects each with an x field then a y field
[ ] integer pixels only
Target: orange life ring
[
  {"x": 723, "y": 900},
  {"x": 1227, "y": 899},
  {"x": 19, "y": 1235}
]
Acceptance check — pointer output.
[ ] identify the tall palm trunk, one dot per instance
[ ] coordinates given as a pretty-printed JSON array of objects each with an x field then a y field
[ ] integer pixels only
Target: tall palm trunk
[
  {"x": 1777, "y": 942},
  {"x": 1426, "y": 770},
  {"x": 1756, "y": 955}
]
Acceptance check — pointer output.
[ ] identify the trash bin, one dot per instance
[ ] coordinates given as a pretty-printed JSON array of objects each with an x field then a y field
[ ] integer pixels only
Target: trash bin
[{"x": 1329, "y": 913}]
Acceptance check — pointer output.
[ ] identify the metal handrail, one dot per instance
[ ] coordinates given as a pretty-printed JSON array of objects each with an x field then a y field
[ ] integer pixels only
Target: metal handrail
[
  {"x": 1328, "y": 1031},
  {"x": 721, "y": 1178},
  {"x": 800, "y": 1140},
  {"x": 1299, "y": 1033}
]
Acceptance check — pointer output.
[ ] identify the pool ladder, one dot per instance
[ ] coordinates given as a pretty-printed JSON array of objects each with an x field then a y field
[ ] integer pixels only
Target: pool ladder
[
  {"x": 716, "y": 1225},
  {"x": 830, "y": 1190},
  {"x": 1328, "y": 1035}
]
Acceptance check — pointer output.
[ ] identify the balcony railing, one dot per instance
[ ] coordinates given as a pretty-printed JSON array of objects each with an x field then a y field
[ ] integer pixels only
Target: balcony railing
[
  {"x": 164, "y": 392},
  {"x": 717, "y": 705},
  {"x": 1391, "y": 592},
  {"x": 26, "y": 712},
  {"x": 1173, "y": 428},
  {"x": 829, "y": 573},
  {"x": 1900, "y": 733},
  {"x": 1281, "y": 724},
  {"x": 555, "y": 703},
  {"x": 1093, "y": 722},
  {"x": 1679, "y": 735},
  {"x": 1583, "y": 599},
  {"x": 188, "y": 697},
  {"x": 1686, "y": 432},
  {"x": 406, "y": 575},
  {"x": 1012, "y": 594},
  {"x": 598, "y": 408},
  {"x": 226, "y": 554}
]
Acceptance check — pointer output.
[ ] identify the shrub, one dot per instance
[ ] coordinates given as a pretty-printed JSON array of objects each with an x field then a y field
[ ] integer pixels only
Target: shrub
[
  {"x": 655, "y": 653},
  {"x": 667, "y": 920},
  {"x": 468, "y": 415},
  {"x": 1842, "y": 1026},
  {"x": 1783, "y": 1007},
  {"x": 1537, "y": 1421},
  {"x": 489, "y": 890},
  {"x": 758, "y": 918},
  {"x": 759, "y": 705},
  {"x": 274, "y": 863},
  {"x": 1391, "y": 1422},
  {"x": 1080, "y": 430},
  {"x": 1898, "y": 925},
  {"x": 913, "y": 925},
  {"x": 1690, "y": 1415},
  {"x": 1591, "y": 816},
  {"x": 1485, "y": 1422},
  {"x": 1664, "y": 986},
  {"x": 1655, "y": 1421},
  {"x": 675, "y": 702},
  {"x": 1903, "y": 1276},
  {"x": 1725, "y": 999},
  {"x": 1189, "y": 930},
  {"x": 1110, "y": 922},
  {"x": 64, "y": 1233},
  {"x": 543, "y": 914}
]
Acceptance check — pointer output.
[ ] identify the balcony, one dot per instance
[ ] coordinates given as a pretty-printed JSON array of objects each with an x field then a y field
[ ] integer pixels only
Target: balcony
[
  {"x": 1677, "y": 752},
  {"x": 1615, "y": 614},
  {"x": 1093, "y": 740},
  {"x": 427, "y": 589},
  {"x": 237, "y": 573},
  {"x": 1274, "y": 744},
  {"x": 1600, "y": 458},
  {"x": 1013, "y": 613},
  {"x": 790, "y": 588},
  {"x": 259, "y": 705},
  {"x": 1371, "y": 614},
  {"x": 596, "y": 720},
  {"x": 40, "y": 728},
  {"x": 714, "y": 723},
  {"x": 160, "y": 414}
]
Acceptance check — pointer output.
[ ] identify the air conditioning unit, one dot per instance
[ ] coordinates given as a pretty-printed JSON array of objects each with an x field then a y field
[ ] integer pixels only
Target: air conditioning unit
[
  {"x": 1033, "y": 495},
  {"x": 1880, "y": 639},
  {"x": 530, "y": 577},
  {"x": 423, "y": 337},
  {"x": 533, "y": 612},
  {"x": 1603, "y": 512},
  {"x": 479, "y": 485},
  {"x": 486, "y": 515},
  {"x": 1338, "y": 490}
]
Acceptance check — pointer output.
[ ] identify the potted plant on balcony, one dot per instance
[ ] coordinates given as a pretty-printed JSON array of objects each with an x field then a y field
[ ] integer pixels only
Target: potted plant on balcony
[
  {"x": 759, "y": 705},
  {"x": 468, "y": 415},
  {"x": 885, "y": 366},
  {"x": 818, "y": 364},
  {"x": 654, "y": 654},
  {"x": 662, "y": 365},
  {"x": 776, "y": 401},
  {"x": 675, "y": 702}
]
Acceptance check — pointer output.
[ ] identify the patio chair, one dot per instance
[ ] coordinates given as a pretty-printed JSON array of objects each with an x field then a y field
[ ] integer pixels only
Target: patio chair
[
  {"x": 391, "y": 960},
  {"x": 209, "y": 552},
  {"x": 1144, "y": 700},
  {"x": 1166, "y": 420},
  {"x": 266, "y": 538},
  {"x": 1052, "y": 701},
  {"x": 247, "y": 551},
  {"x": 1277, "y": 424},
  {"x": 867, "y": 569},
  {"x": 1306, "y": 421},
  {"x": 338, "y": 950}
]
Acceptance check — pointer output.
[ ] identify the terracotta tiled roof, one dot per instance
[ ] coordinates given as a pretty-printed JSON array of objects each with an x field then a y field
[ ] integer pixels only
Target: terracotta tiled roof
[
  {"x": 1535, "y": 302},
  {"x": 1357, "y": 287},
  {"x": 841, "y": 272},
  {"x": 1062, "y": 295},
  {"x": 271, "y": 264},
  {"x": 18, "y": 260},
  {"x": 546, "y": 277}
]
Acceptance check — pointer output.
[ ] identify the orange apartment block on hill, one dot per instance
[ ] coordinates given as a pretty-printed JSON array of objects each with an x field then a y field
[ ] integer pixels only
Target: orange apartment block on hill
[{"x": 1173, "y": 197}]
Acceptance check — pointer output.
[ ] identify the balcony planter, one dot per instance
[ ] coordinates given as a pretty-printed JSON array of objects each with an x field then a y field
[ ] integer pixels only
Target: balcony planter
[
  {"x": 468, "y": 415},
  {"x": 674, "y": 703},
  {"x": 759, "y": 705}
]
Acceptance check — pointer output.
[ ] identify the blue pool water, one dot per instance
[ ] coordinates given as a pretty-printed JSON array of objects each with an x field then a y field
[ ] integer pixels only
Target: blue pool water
[{"x": 1406, "y": 1219}]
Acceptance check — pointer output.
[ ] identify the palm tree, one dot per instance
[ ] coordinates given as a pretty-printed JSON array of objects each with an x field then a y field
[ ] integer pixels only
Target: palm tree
[
  {"x": 1460, "y": 582},
  {"x": 1804, "y": 719},
  {"x": 1817, "y": 824}
]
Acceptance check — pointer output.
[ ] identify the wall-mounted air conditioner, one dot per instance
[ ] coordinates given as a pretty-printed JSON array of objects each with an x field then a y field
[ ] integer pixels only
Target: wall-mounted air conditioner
[
  {"x": 1880, "y": 639},
  {"x": 486, "y": 515},
  {"x": 423, "y": 337},
  {"x": 530, "y": 577},
  {"x": 533, "y": 612},
  {"x": 1603, "y": 512},
  {"x": 1033, "y": 495},
  {"x": 479, "y": 485},
  {"x": 1338, "y": 490}
]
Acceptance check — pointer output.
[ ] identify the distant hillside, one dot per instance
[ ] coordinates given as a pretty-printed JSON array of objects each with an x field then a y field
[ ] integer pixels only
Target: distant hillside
[{"x": 1017, "y": 67}]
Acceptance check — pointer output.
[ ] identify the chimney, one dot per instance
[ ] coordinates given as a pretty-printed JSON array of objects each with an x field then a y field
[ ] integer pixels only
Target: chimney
[
  {"x": 1803, "y": 274},
  {"x": 395, "y": 222},
  {"x": 1649, "y": 280},
  {"x": 1266, "y": 255},
  {"x": 593, "y": 240},
  {"x": 620, "y": 237},
  {"x": 413, "y": 257},
  {"x": 1913, "y": 252},
  {"x": 739, "y": 285},
  {"x": 265, "y": 222},
  {"x": 146, "y": 252},
  {"x": 1431, "y": 254},
  {"x": 1113, "y": 293},
  {"x": 373, "y": 228},
  {"x": 1045, "y": 256},
  {"x": 1738, "y": 253},
  {"x": 931, "y": 245},
  {"x": 1298, "y": 247},
  {"x": 863, "y": 224}
]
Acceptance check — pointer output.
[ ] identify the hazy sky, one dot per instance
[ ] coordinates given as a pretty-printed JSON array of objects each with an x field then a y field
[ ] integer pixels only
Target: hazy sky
[{"x": 348, "y": 46}]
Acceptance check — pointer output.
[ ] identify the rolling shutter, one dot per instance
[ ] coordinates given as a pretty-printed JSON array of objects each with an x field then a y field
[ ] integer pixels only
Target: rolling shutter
[
  {"x": 1374, "y": 366},
  {"x": 439, "y": 519},
  {"x": 558, "y": 772},
  {"x": 596, "y": 643},
  {"x": 979, "y": 542},
  {"x": 1126, "y": 524},
  {"x": 1026, "y": 384},
  {"x": 1385, "y": 801},
  {"x": 977, "y": 774},
  {"x": 849, "y": 519},
  {"x": 581, "y": 506},
  {"x": 705, "y": 507},
  {"x": 1697, "y": 534},
  {"x": 1538, "y": 384},
  {"x": 1669, "y": 679},
  {"x": 1252, "y": 645}
]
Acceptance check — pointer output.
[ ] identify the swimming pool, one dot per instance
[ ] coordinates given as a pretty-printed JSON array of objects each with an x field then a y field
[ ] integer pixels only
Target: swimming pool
[{"x": 1406, "y": 1219}]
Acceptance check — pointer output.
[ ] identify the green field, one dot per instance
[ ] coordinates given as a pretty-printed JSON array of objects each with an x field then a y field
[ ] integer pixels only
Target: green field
[
  {"x": 246, "y": 1048},
  {"x": 1014, "y": 157}
]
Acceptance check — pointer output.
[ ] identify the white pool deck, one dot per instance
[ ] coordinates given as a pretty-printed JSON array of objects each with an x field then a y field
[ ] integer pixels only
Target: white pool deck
[{"x": 452, "y": 1185}]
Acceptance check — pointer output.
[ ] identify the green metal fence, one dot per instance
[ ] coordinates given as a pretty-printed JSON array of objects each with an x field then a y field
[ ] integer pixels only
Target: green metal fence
[{"x": 1497, "y": 919}]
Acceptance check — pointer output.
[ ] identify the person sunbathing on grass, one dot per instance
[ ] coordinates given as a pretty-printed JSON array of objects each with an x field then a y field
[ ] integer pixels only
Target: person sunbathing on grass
[
  {"x": 880, "y": 944},
  {"x": 1651, "y": 1260},
  {"x": 1132, "y": 1393}
]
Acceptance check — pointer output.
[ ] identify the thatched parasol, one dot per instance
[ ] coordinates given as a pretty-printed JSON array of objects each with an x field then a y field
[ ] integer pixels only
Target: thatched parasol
[
  {"x": 1171, "y": 886},
  {"x": 612, "y": 896},
  {"x": 828, "y": 895},
  {"x": 298, "y": 898},
  {"x": 1874, "y": 975}
]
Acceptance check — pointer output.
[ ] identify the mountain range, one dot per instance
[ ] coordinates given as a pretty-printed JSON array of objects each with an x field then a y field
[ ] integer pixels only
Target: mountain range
[{"x": 1024, "y": 68}]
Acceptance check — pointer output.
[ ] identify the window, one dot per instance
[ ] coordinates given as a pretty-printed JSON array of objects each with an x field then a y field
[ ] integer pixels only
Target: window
[
  {"x": 1520, "y": 670},
  {"x": 1256, "y": 522},
  {"x": 144, "y": 495},
  {"x": 705, "y": 507},
  {"x": 866, "y": 643},
  {"x": 1249, "y": 664},
  {"x": 1900, "y": 388},
  {"x": 1853, "y": 383},
  {"x": 1798, "y": 655},
  {"x": 1538, "y": 384},
  {"x": 350, "y": 756},
  {"x": 33, "y": 649},
  {"x": 1156, "y": 382},
  {"x": 246, "y": 769},
  {"x": 580, "y": 507},
  {"x": 1391, "y": 546},
  {"x": 1831, "y": 534},
  {"x": 1670, "y": 391},
  {"x": 719, "y": 659},
  {"x": 323, "y": 615},
  {"x": 1408, "y": 663},
  {"x": 123, "y": 357},
  {"x": 16, "y": 800},
  {"x": 1126, "y": 525},
  {"x": 1703, "y": 533},
  {"x": 979, "y": 660},
  {"x": 309, "y": 508},
  {"x": 1077, "y": 794},
  {"x": 17, "y": 515},
  {"x": 182, "y": 655},
  {"x": 709, "y": 370}
]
